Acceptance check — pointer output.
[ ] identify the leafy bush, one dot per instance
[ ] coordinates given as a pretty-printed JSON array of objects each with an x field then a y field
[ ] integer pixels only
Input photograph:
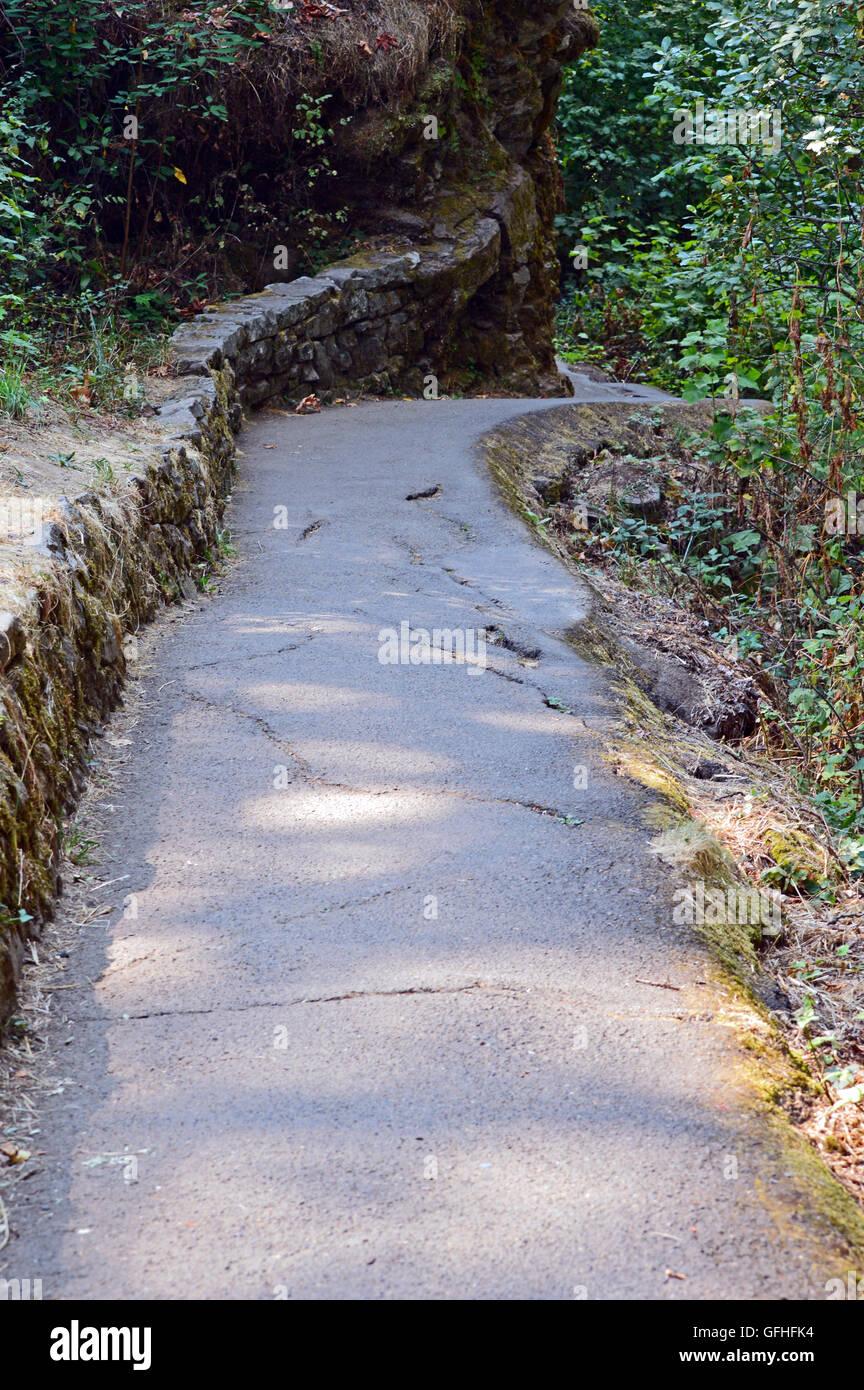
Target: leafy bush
[
  {"x": 143, "y": 165},
  {"x": 757, "y": 288}
]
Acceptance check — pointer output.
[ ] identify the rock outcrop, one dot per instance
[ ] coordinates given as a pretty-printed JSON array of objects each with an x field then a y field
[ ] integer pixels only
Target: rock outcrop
[
  {"x": 453, "y": 179},
  {"x": 474, "y": 149}
]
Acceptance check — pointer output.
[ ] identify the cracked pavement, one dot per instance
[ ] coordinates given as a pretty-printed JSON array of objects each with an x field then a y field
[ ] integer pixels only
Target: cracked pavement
[{"x": 381, "y": 1018}]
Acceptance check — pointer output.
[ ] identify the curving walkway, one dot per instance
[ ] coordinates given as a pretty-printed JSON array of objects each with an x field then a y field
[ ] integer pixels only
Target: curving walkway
[{"x": 372, "y": 1026}]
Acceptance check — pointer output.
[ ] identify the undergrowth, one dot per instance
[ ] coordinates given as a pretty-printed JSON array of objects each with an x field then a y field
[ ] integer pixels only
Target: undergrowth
[
  {"x": 759, "y": 563},
  {"x": 734, "y": 269},
  {"x": 156, "y": 155}
]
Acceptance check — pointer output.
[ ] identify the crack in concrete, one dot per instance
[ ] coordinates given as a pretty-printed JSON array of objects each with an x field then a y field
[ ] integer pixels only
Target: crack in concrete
[
  {"x": 511, "y": 991},
  {"x": 342, "y": 907},
  {"x": 250, "y": 656},
  {"x": 296, "y": 1003},
  {"x": 174, "y": 950},
  {"x": 254, "y": 719},
  {"x": 508, "y": 676},
  {"x": 314, "y": 779},
  {"x": 470, "y": 584},
  {"x": 434, "y": 491},
  {"x": 497, "y": 637}
]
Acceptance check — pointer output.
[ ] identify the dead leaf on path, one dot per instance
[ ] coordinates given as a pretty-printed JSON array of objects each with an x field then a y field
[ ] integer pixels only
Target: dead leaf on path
[
  {"x": 82, "y": 393},
  {"x": 670, "y": 1274},
  {"x": 13, "y": 1153},
  {"x": 310, "y": 404}
]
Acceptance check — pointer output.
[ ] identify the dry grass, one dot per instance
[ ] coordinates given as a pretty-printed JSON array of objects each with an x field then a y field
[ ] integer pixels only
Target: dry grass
[
  {"x": 26, "y": 1076},
  {"x": 370, "y": 53},
  {"x": 838, "y": 1133},
  {"x": 30, "y": 1069}
]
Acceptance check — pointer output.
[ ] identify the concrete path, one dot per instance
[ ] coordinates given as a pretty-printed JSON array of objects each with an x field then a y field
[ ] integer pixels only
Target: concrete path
[{"x": 372, "y": 1024}]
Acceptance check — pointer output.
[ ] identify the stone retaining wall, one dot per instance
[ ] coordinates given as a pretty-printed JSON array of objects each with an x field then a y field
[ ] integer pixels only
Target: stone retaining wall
[{"x": 378, "y": 321}]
